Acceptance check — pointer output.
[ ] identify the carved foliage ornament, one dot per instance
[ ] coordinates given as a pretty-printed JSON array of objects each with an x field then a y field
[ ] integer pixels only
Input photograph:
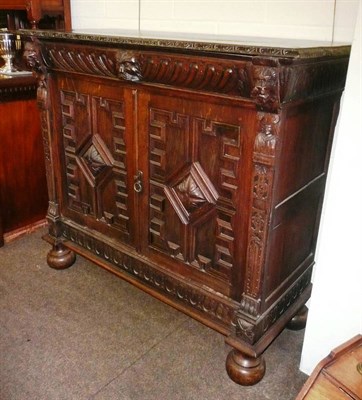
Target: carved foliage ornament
[
  {"x": 189, "y": 193},
  {"x": 94, "y": 160}
]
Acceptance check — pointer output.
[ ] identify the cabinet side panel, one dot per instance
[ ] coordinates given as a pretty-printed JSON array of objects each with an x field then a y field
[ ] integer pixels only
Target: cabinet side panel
[{"x": 300, "y": 180}]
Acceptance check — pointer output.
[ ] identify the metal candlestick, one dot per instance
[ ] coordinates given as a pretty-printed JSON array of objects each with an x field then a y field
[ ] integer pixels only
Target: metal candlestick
[{"x": 10, "y": 46}]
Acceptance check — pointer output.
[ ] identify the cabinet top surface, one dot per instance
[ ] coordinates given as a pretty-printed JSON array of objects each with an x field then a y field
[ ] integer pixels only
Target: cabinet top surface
[{"x": 250, "y": 46}]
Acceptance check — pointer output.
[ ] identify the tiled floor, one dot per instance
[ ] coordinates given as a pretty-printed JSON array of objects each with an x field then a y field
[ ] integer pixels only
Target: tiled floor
[{"x": 82, "y": 333}]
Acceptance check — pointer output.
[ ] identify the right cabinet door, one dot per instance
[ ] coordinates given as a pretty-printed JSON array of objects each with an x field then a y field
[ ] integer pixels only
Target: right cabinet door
[{"x": 197, "y": 161}]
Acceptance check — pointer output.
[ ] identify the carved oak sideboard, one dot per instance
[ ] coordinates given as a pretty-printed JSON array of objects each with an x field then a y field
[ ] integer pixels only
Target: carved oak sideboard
[{"x": 194, "y": 170}]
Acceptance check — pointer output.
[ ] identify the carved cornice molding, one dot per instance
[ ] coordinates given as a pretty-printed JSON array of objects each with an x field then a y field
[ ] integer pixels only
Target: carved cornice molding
[
  {"x": 264, "y": 80},
  {"x": 196, "y": 46}
]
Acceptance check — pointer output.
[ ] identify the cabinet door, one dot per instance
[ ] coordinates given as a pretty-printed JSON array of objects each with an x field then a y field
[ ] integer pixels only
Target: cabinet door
[
  {"x": 96, "y": 131},
  {"x": 196, "y": 151}
]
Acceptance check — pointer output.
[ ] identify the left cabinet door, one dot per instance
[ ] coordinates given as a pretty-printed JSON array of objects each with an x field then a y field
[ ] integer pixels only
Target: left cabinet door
[{"x": 95, "y": 129}]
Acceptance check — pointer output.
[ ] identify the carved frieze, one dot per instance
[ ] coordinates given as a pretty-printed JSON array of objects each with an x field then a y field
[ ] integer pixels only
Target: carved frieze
[
  {"x": 262, "y": 75},
  {"x": 87, "y": 61},
  {"x": 221, "y": 311},
  {"x": 193, "y": 73}
]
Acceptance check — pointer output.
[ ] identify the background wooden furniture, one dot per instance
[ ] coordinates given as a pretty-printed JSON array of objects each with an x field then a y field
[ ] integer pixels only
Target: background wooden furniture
[
  {"x": 338, "y": 376},
  {"x": 194, "y": 170},
  {"x": 54, "y": 14},
  {"x": 23, "y": 194}
]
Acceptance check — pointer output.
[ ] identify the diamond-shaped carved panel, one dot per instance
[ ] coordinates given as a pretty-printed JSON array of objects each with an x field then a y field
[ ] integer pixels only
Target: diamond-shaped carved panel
[
  {"x": 94, "y": 158},
  {"x": 191, "y": 193}
]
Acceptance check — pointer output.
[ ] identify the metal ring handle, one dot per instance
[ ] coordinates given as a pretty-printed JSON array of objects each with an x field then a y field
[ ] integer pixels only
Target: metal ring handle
[{"x": 137, "y": 187}]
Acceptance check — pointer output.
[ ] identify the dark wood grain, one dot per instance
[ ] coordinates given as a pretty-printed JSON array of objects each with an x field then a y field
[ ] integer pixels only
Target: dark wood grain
[
  {"x": 22, "y": 173},
  {"x": 197, "y": 175}
]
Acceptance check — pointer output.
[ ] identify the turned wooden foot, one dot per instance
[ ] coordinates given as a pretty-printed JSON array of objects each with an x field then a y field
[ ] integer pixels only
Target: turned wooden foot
[
  {"x": 299, "y": 320},
  {"x": 59, "y": 257},
  {"x": 244, "y": 370}
]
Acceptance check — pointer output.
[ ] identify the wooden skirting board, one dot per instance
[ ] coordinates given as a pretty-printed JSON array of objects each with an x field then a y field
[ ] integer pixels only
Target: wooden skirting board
[{"x": 15, "y": 234}]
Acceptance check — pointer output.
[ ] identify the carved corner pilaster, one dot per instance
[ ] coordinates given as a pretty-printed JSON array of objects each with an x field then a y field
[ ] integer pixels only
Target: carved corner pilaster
[
  {"x": 34, "y": 60},
  {"x": 129, "y": 67},
  {"x": 265, "y": 144}
]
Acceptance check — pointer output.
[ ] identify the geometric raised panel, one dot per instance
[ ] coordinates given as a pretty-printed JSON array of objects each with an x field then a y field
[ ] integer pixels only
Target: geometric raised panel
[
  {"x": 191, "y": 193},
  {"x": 94, "y": 158}
]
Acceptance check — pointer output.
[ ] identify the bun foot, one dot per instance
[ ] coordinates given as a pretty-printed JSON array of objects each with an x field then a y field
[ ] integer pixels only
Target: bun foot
[
  {"x": 59, "y": 257},
  {"x": 299, "y": 320},
  {"x": 244, "y": 370}
]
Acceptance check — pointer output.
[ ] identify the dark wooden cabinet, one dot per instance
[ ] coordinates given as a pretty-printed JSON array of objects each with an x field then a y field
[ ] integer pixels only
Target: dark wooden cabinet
[{"x": 194, "y": 170}]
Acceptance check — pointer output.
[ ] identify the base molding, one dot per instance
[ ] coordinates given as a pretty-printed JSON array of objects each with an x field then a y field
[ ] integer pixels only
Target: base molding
[{"x": 16, "y": 233}]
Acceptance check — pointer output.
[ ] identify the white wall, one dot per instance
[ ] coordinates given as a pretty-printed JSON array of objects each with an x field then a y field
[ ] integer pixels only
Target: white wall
[
  {"x": 307, "y": 19},
  {"x": 115, "y": 14},
  {"x": 335, "y": 313},
  {"x": 335, "y": 306}
]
